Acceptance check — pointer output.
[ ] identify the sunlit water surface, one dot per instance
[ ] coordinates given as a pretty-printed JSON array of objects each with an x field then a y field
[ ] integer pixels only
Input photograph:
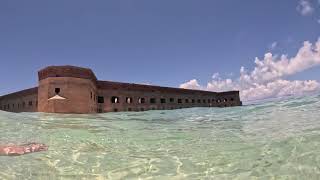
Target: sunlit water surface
[{"x": 279, "y": 139}]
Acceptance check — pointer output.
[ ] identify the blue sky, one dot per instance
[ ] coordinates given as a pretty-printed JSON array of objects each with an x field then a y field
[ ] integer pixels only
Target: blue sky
[{"x": 164, "y": 42}]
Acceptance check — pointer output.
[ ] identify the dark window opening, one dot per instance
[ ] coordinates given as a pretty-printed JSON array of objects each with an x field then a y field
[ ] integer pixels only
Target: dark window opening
[
  {"x": 57, "y": 90},
  {"x": 225, "y": 100},
  {"x": 192, "y": 100},
  {"x": 162, "y": 100},
  {"x": 91, "y": 94},
  {"x": 153, "y": 100},
  {"x": 115, "y": 110},
  {"x": 179, "y": 101},
  {"x": 231, "y": 99},
  {"x": 99, "y": 110},
  {"x": 153, "y": 108},
  {"x": 141, "y": 100},
  {"x": 213, "y": 100},
  {"x": 37, "y": 103},
  {"x": 30, "y": 103},
  {"x": 129, "y": 100},
  {"x": 129, "y": 109},
  {"x": 23, "y": 104},
  {"x": 12, "y": 105},
  {"x": 100, "y": 99},
  {"x": 209, "y": 100},
  {"x": 114, "y": 99},
  {"x": 171, "y": 100},
  {"x": 204, "y": 101},
  {"x": 199, "y": 101},
  {"x": 187, "y": 100}
]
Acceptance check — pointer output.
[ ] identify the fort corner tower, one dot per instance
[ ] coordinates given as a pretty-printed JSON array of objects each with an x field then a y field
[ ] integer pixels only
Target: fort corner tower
[
  {"x": 67, "y": 89},
  {"x": 70, "y": 89}
]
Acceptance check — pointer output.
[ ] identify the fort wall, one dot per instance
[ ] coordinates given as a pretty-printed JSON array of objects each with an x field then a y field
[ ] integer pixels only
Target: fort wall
[
  {"x": 69, "y": 89},
  {"x": 22, "y": 101}
]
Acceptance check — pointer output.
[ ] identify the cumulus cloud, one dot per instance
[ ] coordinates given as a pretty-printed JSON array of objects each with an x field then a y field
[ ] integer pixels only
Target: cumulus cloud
[
  {"x": 267, "y": 79},
  {"x": 192, "y": 84},
  {"x": 305, "y": 8}
]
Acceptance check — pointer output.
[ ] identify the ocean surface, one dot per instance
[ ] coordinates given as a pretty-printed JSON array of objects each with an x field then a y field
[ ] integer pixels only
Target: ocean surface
[{"x": 279, "y": 139}]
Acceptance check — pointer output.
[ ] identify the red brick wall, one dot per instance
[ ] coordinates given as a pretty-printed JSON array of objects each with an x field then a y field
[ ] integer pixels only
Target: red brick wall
[
  {"x": 22, "y": 101},
  {"x": 66, "y": 71},
  {"x": 134, "y": 91},
  {"x": 76, "y": 91}
]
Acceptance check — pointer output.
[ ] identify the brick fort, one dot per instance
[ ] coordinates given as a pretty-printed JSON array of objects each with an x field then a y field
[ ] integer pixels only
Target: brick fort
[{"x": 70, "y": 89}]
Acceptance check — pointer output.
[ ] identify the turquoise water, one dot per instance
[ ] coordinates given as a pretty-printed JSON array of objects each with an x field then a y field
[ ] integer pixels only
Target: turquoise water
[{"x": 272, "y": 140}]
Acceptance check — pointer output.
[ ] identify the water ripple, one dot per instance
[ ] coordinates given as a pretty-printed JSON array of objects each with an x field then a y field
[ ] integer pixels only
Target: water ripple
[{"x": 271, "y": 140}]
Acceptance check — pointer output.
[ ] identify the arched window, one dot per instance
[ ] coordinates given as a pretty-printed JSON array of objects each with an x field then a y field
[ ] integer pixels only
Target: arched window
[
  {"x": 218, "y": 100},
  {"x": 199, "y": 101},
  {"x": 231, "y": 99},
  {"x": 115, "y": 99},
  {"x": 187, "y": 100},
  {"x": 171, "y": 100},
  {"x": 129, "y": 100},
  {"x": 141, "y": 100},
  {"x": 192, "y": 100},
  {"x": 179, "y": 101},
  {"x": 225, "y": 100},
  {"x": 57, "y": 90}
]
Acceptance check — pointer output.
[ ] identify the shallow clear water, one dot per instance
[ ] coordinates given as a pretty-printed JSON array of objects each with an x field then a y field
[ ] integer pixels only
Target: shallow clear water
[{"x": 279, "y": 139}]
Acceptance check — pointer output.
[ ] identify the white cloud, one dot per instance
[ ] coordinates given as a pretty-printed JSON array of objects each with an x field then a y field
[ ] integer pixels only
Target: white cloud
[
  {"x": 215, "y": 76},
  {"x": 192, "y": 84},
  {"x": 305, "y": 8},
  {"x": 273, "y": 45},
  {"x": 266, "y": 80}
]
